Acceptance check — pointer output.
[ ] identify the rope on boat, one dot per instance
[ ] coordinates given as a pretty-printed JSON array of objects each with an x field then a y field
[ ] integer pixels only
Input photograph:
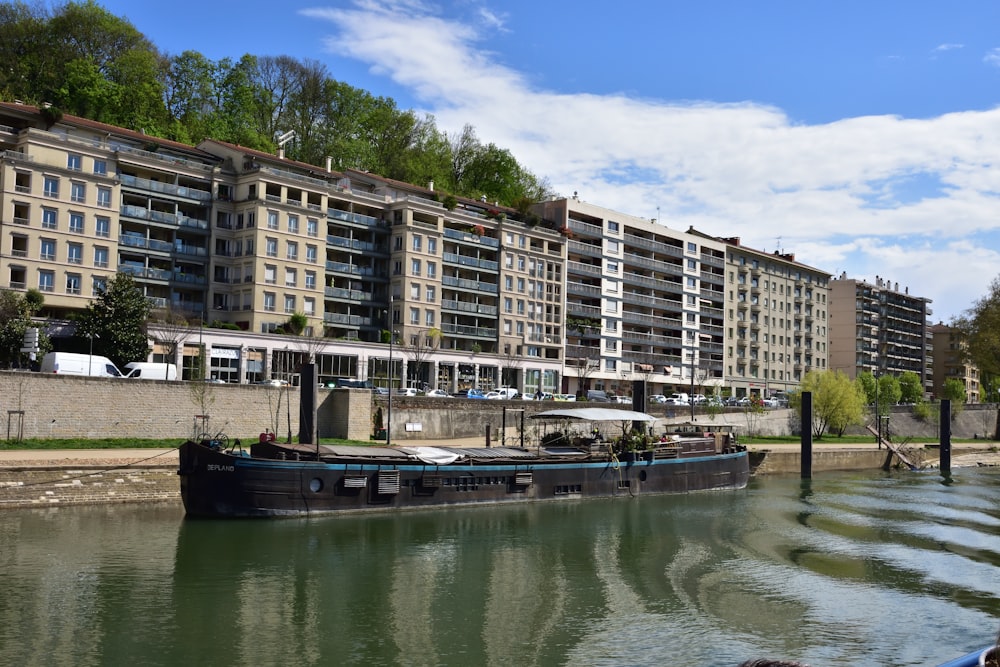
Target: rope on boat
[{"x": 92, "y": 473}]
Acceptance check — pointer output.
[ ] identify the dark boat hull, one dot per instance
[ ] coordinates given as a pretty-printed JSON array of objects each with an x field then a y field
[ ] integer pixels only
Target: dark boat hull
[{"x": 216, "y": 483}]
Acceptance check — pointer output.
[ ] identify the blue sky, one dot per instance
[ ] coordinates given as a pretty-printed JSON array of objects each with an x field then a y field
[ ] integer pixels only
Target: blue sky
[{"x": 862, "y": 136}]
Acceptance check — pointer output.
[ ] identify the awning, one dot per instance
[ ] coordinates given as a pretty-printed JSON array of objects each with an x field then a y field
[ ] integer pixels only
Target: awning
[{"x": 595, "y": 415}]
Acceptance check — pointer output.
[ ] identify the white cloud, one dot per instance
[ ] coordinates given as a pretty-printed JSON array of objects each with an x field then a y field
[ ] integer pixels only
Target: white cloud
[
  {"x": 941, "y": 48},
  {"x": 992, "y": 57},
  {"x": 913, "y": 200}
]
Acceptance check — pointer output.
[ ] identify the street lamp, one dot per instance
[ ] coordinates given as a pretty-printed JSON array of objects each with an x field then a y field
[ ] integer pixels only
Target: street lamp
[
  {"x": 388, "y": 373},
  {"x": 90, "y": 360}
]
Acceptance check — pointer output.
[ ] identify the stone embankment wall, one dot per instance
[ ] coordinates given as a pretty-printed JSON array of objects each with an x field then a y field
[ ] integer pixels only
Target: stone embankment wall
[{"x": 55, "y": 487}]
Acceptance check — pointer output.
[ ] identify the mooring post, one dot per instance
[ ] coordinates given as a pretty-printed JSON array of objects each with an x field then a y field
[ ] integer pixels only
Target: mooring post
[
  {"x": 489, "y": 429},
  {"x": 946, "y": 437},
  {"x": 807, "y": 436}
]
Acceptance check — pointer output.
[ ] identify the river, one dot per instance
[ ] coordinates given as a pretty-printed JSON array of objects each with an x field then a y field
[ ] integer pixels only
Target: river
[{"x": 845, "y": 569}]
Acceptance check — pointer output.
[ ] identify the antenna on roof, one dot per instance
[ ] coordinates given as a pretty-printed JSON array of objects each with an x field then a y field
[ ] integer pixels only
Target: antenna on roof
[{"x": 778, "y": 245}]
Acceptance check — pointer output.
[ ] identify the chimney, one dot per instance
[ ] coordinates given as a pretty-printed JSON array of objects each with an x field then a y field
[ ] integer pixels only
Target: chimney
[
  {"x": 329, "y": 164},
  {"x": 430, "y": 186}
]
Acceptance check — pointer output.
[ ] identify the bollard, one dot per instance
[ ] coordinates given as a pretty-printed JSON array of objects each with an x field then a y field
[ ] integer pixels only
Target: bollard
[
  {"x": 807, "y": 435},
  {"x": 945, "y": 437}
]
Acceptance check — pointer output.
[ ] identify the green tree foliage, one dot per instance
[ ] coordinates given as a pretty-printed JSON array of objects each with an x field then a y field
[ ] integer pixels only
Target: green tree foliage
[
  {"x": 954, "y": 390},
  {"x": 117, "y": 322},
  {"x": 838, "y": 402},
  {"x": 867, "y": 382},
  {"x": 16, "y": 311},
  {"x": 911, "y": 389},
  {"x": 88, "y": 62},
  {"x": 889, "y": 393},
  {"x": 980, "y": 327}
]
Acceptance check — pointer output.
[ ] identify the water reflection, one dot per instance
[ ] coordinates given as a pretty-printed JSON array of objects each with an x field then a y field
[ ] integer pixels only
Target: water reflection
[{"x": 822, "y": 571}]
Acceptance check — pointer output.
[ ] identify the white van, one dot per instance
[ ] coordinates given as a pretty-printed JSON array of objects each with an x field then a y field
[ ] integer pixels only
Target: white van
[
  {"x": 150, "y": 371},
  {"x": 69, "y": 363}
]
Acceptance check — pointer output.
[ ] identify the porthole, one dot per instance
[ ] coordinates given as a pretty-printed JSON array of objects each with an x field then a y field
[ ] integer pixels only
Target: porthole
[{"x": 315, "y": 485}]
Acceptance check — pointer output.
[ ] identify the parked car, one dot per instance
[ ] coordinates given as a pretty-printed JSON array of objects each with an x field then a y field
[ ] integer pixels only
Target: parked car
[
  {"x": 674, "y": 401},
  {"x": 544, "y": 396},
  {"x": 494, "y": 396},
  {"x": 508, "y": 392},
  {"x": 597, "y": 396},
  {"x": 657, "y": 398},
  {"x": 564, "y": 397},
  {"x": 407, "y": 391},
  {"x": 438, "y": 393},
  {"x": 69, "y": 363},
  {"x": 470, "y": 393},
  {"x": 623, "y": 400}
]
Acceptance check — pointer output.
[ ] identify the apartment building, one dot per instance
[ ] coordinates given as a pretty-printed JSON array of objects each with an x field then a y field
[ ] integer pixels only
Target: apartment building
[
  {"x": 950, "y": 364},
  {"x": 777, "y": 320},
  {"x": 877, "y": 327},
  {"x": 223, "y": 234},
  {"x": 643, "y": 302}
]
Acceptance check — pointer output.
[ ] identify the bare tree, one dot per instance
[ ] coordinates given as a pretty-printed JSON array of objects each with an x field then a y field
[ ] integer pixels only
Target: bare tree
[
  {"x": 586, "y": 364},
  {"x": 510, "y": 363},
  {"x": 419, "y": 349},
  {"x": 169, "y": 329}
]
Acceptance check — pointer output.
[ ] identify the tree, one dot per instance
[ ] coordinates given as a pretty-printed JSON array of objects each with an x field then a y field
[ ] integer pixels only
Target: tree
[
  {"x": 837, "y": 401},
  {"x": 889, "y": 393},
  {"x": 116, "y": 322},
  {"x": 910, "y": 387},
  {"x": 418, "y": 350},
  {"x": 980, "y": 328},
  {"x": 16, "y": 311},
  {"x": 170, "y": 329},
  {"x": 954, "y": 390}
]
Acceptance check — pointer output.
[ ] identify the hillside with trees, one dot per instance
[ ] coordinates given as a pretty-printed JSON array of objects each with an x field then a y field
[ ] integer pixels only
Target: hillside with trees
[{"x": 85, "y": 61}]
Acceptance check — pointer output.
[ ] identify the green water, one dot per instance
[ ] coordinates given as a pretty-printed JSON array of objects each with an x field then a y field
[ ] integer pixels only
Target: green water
[{"x": 851, "y": 569}]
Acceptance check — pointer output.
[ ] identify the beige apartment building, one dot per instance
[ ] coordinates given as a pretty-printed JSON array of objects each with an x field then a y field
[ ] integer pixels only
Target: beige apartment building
[
  {"x": 880, "y": 329},
  {"x": 950, "y": 364},
  {"x": 777, "y": 320},
  {"x": 223, "y": 234}
]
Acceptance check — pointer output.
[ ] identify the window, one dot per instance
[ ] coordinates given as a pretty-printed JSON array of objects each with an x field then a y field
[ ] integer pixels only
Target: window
[
  {"x": 311, "y": 254},
  {"x": 74, "y": 162},
  {"x": 520, "y": 307},
  {"x": 429, "y": 318},
  {"x": 102, "y": 226},
  {"x": 520, "y": 285},
  {"x": 99, "y": 285},
  {"x": 51, "y": 186},
  {"x": 612, "y": 226},
  {"x": 613, "y": 246},
  {"x": 269, "y": 300},
  {"x": 46, "y": 281},
  {"x": 429, "y": 294},
  {"x": 310, "y": 280},
  {"x": 312, "y": 227},
  {"x": 73, "y": 283},
  {"x": 293, "y": 224},
  {"x": 414, "y": 267},
  {"x": 432, "y": 246},
  {"x": 291, "y": 278},
  {"x": 271, "y": 246},
  {"x": 74, "y": 253},
  {"x": 309, "y": 305},
  {"x": 692, "y": 265},
  {"x": 78, "y": 192},
  {"x": 432, "y": 269},
  {"x": 289, "y": 303},
  {"x": 418, "y": 242},
  {"x": 692, "y": 246},
  {"x": 415, "y": 291},
  {"x": 414, "y": 316},
  {"x": 49, "y": 218},
  {"x": 48, "y": 249},
  {"x": 101, "y": 257},
  {"x": 508, "y": 284},
  {"x": 104, "y": 197},
  {"x": 76, "y": 223},
  {"x": 292, "y": 252},
  {"x": 100, "y": 167},
  {"x": 270, "y": 274},
  {"x": 272, "y": 219},
  {"x": 508, "y": 305},
  {"x": 613, "y": 267}
]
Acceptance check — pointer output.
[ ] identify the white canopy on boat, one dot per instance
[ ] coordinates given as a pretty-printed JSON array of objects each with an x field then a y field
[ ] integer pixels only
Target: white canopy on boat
[{"x": 595, "y": 415}]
